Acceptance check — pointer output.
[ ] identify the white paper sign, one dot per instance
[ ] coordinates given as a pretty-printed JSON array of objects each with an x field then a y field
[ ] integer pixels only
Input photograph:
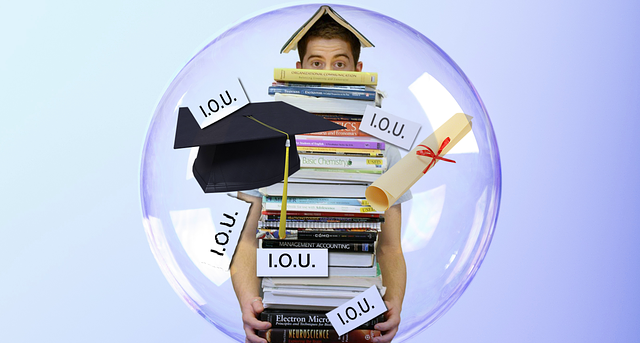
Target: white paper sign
[
  {"x": 213, "y": 99},
  {"x": 210, "y": 236},
  {"x": 293, "y": 262},
  {"x": 357, "y": 311},
  {"x": 389, "y": 128}
]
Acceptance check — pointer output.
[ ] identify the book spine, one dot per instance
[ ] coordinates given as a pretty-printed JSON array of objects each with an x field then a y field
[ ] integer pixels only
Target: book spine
[
  {"x": 345, "y": 220},
  {"x": 270, "y": 206},
  {"x": 351, "y": 128},
  {"x": 320, "y": 225},
  {"x": 318, "y": 143},
  {"x": 326, "y": 76},
  {"x": 325, "y": 85},
  {"x": 312, "y": 235},
  {"x": 343, "y": 162},
  {"x": 307, "y": 319},
  {"x": 318, "y": 201},
  {"x": 343, "y": 117},
  {"x": 319, "y": 214},
  {"x": 313, "y": 150},
  {"x": 281, "y": 335},
  {"x": 331, "y": 246},
  {"x": 324, "y": 92}
]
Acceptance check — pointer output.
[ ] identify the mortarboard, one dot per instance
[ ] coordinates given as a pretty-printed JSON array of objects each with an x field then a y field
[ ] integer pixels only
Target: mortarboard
[
  {"x": 246, "y": 149},
  {"x": 292, "y": 42}
]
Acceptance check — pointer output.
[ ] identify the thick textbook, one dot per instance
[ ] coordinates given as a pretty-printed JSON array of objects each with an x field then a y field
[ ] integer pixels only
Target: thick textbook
[
  {"x": 289, "y": 335},
  {"x": 306, "y": 319},
  {"x": 326, "y": 76}
]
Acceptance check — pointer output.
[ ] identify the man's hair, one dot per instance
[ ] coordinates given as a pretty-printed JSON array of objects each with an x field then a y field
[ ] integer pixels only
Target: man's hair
[{"x": 328, "y": 28}]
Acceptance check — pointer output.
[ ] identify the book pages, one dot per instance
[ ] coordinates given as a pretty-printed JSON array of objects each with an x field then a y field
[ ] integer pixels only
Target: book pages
[{"x": 404, "y": 174}]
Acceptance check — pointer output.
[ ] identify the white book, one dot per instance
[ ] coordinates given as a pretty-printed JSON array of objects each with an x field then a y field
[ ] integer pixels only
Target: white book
[
  {"x": 333, "y": 281},
  {"x": 309, "y": 189},
  {"x": 327, "y": 105}
]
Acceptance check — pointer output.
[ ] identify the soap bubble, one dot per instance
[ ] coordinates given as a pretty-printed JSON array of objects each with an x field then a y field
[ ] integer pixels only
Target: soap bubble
[{"x": 447, "y": 227}]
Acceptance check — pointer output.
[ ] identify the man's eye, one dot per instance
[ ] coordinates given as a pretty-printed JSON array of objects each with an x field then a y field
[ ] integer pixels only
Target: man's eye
[
  {"x": 340, "y": 65},
  {"x": 316, "y": 64}
]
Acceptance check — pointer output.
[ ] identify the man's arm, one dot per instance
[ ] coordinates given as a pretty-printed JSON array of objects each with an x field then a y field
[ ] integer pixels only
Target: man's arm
[
  {"x": 243, "y": 273},
  {"x": 394, "y": 272}
]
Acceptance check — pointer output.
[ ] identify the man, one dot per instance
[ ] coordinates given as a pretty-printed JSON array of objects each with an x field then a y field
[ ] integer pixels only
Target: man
[{"x": 330, "y": 46}]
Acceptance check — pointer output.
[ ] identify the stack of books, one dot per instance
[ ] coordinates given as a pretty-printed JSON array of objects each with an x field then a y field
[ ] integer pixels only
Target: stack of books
[
  {"x": 295, "y": 321},
  {"x": 326, "y": 207},
  {"x": 341, "y": 97}
]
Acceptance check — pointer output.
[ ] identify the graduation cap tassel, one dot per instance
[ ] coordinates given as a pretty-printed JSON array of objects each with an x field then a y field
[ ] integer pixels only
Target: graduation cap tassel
[{"x": 282, "y": 231}]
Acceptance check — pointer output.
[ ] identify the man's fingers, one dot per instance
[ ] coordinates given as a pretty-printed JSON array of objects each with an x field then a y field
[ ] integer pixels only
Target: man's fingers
[
  {"x": 251, "y": 336},
  {"x": 387, "y": 336},
  {"x": 254, "y": 323},
  {"x": 256, "y": 306}
]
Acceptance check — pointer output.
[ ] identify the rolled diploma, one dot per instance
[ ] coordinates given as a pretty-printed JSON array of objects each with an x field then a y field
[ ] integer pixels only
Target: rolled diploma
[{"x": 399, "y": 178}]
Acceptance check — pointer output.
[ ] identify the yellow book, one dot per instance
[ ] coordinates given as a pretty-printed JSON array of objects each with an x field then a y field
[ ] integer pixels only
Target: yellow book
[
  {"x": 292, "y": 43},
  {"x": 325, "y": 76}
]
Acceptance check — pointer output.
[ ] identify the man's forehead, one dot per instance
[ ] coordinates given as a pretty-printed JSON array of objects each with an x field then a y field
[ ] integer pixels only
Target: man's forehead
[{"x": 318, "y": 46}]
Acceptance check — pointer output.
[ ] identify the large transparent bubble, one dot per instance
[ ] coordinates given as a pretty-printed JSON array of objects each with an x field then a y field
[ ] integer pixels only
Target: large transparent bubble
[{"x": 446, "y": 228}]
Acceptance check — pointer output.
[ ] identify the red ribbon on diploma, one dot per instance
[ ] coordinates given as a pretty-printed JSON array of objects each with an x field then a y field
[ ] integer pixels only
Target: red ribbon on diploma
[{"x": 429, "y": 153}]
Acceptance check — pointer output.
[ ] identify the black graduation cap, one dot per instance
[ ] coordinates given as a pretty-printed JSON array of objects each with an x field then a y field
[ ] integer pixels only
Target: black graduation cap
[{"x": 245, "y": 150}]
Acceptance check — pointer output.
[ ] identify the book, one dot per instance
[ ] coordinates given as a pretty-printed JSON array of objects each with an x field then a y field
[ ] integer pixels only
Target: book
[
  {"x": 322, "y": 219},
  {"x": 367, "y": 175},
  {"x": 331, "y": 246},
  {"x": 312, "y": 335},
  {"x": 343, "y": 162},
  {"x": 323, "y": 85},
  {"x": 331, "y": 281},
  {"x": 321, "y": 225},
  {"x": 351, "y": 190},
  {"x": 329, "y": 214},
  {"x": 344, "y": 143},
  {"x": 343, "y": 117},
  {"x": 318, "y": 201},
  {"x": 314, "y": 150},
  {"x": 351, "y": 128},
  {"x": 273, "y": 206},
  {"x": 306, "y": 319},
  {"x": 326, "y": 76},
  {"x": 327, "y": 105},
  {"x": 354, "y": 94},
  {"x": 324, "y": 235},
  {"x": 292, "y": 42},
  {"x": 355, "y": 271}
]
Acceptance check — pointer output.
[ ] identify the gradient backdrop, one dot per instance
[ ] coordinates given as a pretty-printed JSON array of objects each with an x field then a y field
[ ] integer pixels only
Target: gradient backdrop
[{"x": 79, "y": 82}]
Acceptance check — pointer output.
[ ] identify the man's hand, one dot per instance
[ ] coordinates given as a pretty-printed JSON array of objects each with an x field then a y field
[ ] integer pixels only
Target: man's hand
[
  {"x": 389, "y": 328},
  {"x": 250, "y": 311}
]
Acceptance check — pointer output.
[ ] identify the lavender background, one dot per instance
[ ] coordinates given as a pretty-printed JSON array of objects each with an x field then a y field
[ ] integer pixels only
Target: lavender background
[{"x": 79, "y": 83}]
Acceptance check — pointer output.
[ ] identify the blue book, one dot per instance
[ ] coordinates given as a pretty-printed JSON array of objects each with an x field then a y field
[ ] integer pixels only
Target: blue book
[{"x": 325, "y": 92}]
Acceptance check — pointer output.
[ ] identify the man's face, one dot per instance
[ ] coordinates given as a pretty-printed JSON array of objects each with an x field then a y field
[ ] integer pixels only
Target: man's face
[{"x": 329, "y": 54}]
